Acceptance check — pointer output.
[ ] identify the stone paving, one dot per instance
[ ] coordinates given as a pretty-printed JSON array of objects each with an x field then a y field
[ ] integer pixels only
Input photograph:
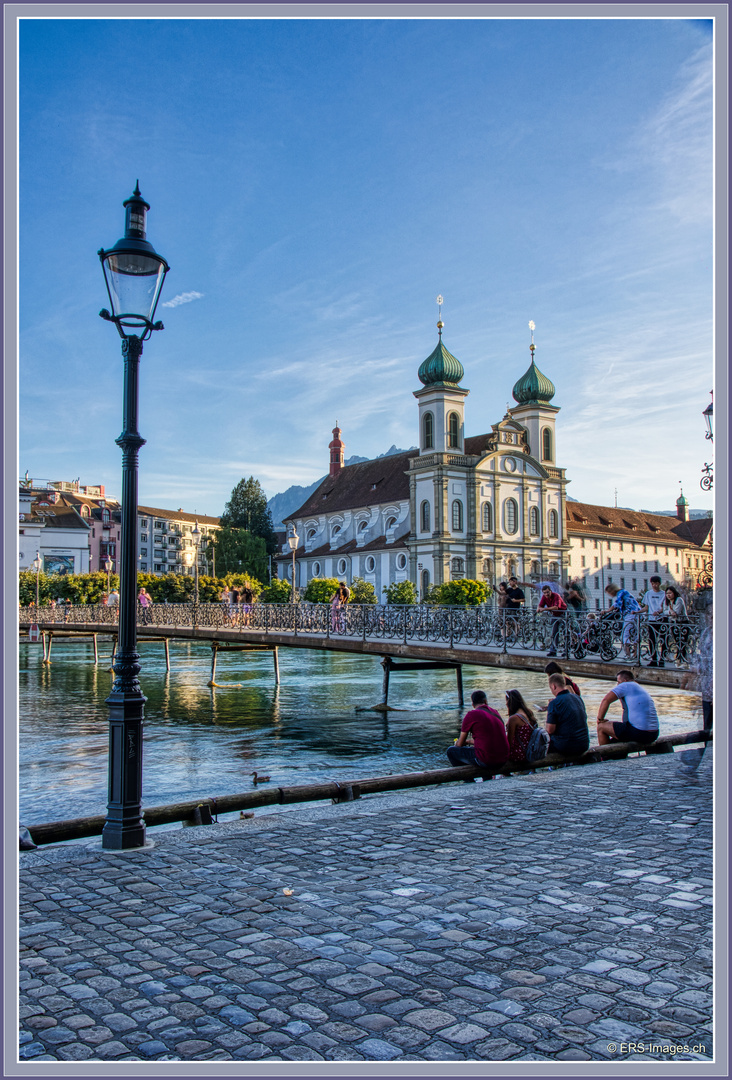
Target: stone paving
[{"x": 564, "y": 916}]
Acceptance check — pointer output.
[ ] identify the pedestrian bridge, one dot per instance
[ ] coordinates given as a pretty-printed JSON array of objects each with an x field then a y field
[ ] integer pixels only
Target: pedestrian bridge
[{"x": 591, "y": 644}]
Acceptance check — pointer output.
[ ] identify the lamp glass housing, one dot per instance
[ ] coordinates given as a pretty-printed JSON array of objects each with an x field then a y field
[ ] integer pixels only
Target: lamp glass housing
[
  {"x": 293, "y": 541},
  {"x": 134, "y": 280},
  {"x": 708, "y": 420}
]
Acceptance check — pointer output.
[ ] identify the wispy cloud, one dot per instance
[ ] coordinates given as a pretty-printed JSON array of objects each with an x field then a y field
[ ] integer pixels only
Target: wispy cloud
[{"x": 183, "y": 298}]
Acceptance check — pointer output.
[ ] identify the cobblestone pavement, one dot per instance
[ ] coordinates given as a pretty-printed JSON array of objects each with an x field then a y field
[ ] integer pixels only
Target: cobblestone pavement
[{"x": 549, "y": 917}]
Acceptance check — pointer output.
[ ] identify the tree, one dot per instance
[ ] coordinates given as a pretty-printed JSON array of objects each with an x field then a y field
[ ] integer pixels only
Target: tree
[
  {"x": 401, "y": 592},
  {"x": 278, "y": 591},
  {"x": 247, "y": 509},
  {"x": 240, "y": 552}
]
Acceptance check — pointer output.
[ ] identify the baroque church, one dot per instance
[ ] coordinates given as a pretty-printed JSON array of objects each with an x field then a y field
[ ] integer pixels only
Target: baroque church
[{"x": 476, "y": 506}]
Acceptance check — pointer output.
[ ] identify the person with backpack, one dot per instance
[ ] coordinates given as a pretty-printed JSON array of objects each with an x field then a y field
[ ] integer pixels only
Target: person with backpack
[
  {"x": 526, "y": 740},
  {"x": 490, "y": 742}
]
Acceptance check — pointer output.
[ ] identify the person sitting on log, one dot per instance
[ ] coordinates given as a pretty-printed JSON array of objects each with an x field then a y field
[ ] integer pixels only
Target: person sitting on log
[
  {"x": 490, "y": 742},
  {"x": 566, "y": 720},
  {"x": 640, "y": 719}
]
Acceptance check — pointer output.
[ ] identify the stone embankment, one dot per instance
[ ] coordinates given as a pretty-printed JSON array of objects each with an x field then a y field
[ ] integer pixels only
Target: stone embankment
[{"x": 562, "y": 916}]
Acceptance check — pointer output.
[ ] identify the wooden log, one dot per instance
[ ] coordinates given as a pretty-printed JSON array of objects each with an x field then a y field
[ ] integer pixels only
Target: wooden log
[{"x": 77, "y": 828}]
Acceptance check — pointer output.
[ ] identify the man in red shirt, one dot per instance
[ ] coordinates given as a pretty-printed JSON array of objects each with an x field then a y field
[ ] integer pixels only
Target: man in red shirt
[
  {"x": 490, "y": 742},
  {"x": 552, "y": 602}
]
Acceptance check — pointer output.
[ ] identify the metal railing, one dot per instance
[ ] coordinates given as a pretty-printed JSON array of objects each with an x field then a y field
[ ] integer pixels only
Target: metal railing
[{"x": 578, "y": 635}]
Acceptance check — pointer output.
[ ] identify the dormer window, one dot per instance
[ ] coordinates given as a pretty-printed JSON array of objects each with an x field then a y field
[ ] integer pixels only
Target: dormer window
[
  {"x": 335, "y": 530},
  {"x": 363, "y": 526},
  {"x": 390, "y": 523},
  {"x": 311, "y": 534},
  {"x": 105, "y": 517}
]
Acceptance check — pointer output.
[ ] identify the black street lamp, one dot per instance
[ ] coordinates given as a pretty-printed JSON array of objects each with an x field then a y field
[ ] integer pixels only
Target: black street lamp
[
  {"x": 707, "y": 480},
  {"x": 196, "y": 534},
  {"x": 37, "y": 568},
  {"x": 134, "y": 274}
]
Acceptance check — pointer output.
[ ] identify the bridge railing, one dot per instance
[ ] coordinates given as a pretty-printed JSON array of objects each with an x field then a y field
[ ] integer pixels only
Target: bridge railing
[{"x": 578, "y": 635}]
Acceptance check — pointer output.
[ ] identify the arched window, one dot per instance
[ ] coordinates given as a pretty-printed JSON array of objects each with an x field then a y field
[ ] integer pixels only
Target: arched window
[
  {"x": 536, "y": 568},
  {"x": 487, "y": 517},
  {"x": 363, "y": 526},
  {"x": 546, "y": 445},
  {"x": 553, "y": 569},
  {"x": 390, "y": 523},
  {"x": 457, "y": 516},
  {"x": 335, "y": 530},
  {"x": 553, "y": 523},
  {"x": 425, "y": 583},
  {"x": 84, "y": 510},
  {"x": 511, "y": 515},
  {"x": 428, "y": 435},
  {"x": 458, "y": 567},
  {"x": 534, "y": 520},
  {"x": 105, "y": 517},
  {"x": 311, "y": 534},
  {"x": 453, "y": 430},
  {"x": 425, "y": 516}
]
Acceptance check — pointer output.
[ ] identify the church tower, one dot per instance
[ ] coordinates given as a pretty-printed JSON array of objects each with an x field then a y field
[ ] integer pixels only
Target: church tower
[
  {"x": 441, "y": 400},
  {"x": 533, "y": 393},
  {"x": 336, "y": 447}
]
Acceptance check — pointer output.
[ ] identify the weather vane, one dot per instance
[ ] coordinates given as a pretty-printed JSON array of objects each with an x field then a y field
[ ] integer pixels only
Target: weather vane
[{"x": 440, "y": 323}]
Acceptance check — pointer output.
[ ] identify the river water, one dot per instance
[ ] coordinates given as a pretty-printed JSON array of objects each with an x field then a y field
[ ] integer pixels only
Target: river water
[{"x": 202, "y": 741}]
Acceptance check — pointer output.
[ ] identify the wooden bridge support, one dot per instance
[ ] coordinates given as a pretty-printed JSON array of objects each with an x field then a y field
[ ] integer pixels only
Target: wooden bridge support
[
  {"x": 390, "y": 665},
  {"x": 217, "y": 645}
]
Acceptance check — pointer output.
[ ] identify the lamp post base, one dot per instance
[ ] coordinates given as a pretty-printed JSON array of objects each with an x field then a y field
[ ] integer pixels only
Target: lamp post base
[{"x": 124, "y": 827}]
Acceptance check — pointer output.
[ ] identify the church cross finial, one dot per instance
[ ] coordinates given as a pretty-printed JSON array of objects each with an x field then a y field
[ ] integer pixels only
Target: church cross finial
[
  {"x": 440, "y": 323},
  {"x": 532, "y": 327}
]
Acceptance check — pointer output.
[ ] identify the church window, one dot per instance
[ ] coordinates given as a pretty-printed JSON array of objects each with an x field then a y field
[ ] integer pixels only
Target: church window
[
  {"x": 536, "y": 568},
  {"x": 429, "y": 431},
  {"x": 342, "y": 566},
  {"x": 546, "y": 445},
  {"x": 311, "y": 534},
  {"x": 363, "y": 526},
  {"x": 453, "y": 430},
  {"x": 487, "y": 517},
  {"x": 534, "y": 520},
  {"x": 425, "y": 583},
  {"x": 488, "y": 569},
  {"x": 316, "y": 569},
  {"x": 457, "y": 516},
  {"x": 390, "y": 523},
  {"x": 553, "y": 569},
  {"x": 553, "y": 523},
  {"x": 425, "y": 516},
  {"x": 370, "y": 564},
  {"x": 401, "y": 561},
  {"x": 335, "y": 530},
  {"x": 458, "y": 567},
  {"x": 511, "y": 513}
]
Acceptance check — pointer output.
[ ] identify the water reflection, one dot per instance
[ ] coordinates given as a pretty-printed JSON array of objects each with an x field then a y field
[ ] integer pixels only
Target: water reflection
[{"x": 202, "y": 740}]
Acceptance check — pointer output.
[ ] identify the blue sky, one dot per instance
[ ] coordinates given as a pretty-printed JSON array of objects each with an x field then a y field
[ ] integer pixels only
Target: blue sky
[{"x": 314, "y": 185}]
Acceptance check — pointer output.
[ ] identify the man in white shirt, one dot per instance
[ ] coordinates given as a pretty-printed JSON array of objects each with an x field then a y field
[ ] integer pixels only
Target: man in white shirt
[
  {"x": 652, "y": 604},
  {"x": 640, "y": 719}
]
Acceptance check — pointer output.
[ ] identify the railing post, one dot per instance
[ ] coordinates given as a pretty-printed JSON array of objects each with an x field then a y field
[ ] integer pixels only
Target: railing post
[
  {"x": 502, "y": 612},
  {"x": 451, "y": 627},
  {"x": 363, "y": 620},
  {"x": 294, "y": 618},
  {"x": 404, "y": 618},
  {"x": 567, "y": 631}
]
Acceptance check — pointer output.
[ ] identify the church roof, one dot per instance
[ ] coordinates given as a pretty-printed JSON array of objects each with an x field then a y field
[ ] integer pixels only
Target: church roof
[
  {"x": 440, "y": 367},
  {"x": 381, "y": 480}
]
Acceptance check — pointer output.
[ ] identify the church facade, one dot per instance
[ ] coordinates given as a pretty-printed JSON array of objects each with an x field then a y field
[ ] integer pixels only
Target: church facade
[{"x": 477, "y": 506}]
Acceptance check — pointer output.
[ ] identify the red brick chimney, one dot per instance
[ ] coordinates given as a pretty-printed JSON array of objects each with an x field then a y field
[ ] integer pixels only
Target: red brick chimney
[{"x": 336, "y": 451}]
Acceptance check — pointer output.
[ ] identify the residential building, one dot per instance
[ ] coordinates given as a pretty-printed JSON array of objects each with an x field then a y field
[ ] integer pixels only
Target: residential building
[
  {"x": 50, "y": 524},
  {"x": 165, "y": 541}
]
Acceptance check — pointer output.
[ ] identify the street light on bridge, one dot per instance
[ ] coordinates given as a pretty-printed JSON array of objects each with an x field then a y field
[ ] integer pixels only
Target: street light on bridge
[
  {"x": 134, "y": 274},
  {"x": 293, "y": 540},
  {"x": 196, "y": 534},
  {"x": 707, "y": 480},
  {"x": 108, "y": 567},
  {"x": 37, "y": 567}
]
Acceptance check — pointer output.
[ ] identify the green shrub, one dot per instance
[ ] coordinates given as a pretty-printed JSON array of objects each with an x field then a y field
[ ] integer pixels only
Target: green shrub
[
  {"x": 278, "y": 591},
  {"x": 363, "y": 592},
  {"x": 401, "y": 592},
  {"x": 320, "y": 590},
  {"x": 464, "y": 592}
]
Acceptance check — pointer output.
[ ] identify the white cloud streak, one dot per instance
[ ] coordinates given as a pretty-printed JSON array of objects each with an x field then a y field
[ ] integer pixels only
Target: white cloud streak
[{"x": 183, "y": 298}]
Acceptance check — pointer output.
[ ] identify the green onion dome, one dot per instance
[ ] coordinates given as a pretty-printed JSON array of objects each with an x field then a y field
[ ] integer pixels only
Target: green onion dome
[
  {"x": 441, "y": 367},
  {"x": 533, "y": 387}
]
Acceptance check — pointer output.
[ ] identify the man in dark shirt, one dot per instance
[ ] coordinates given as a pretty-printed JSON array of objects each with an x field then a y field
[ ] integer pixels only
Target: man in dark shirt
[
  {"x": 566, "y": 720},
  {"x": 490, "y": 742},
  {"x": 515, "y": 595}
]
